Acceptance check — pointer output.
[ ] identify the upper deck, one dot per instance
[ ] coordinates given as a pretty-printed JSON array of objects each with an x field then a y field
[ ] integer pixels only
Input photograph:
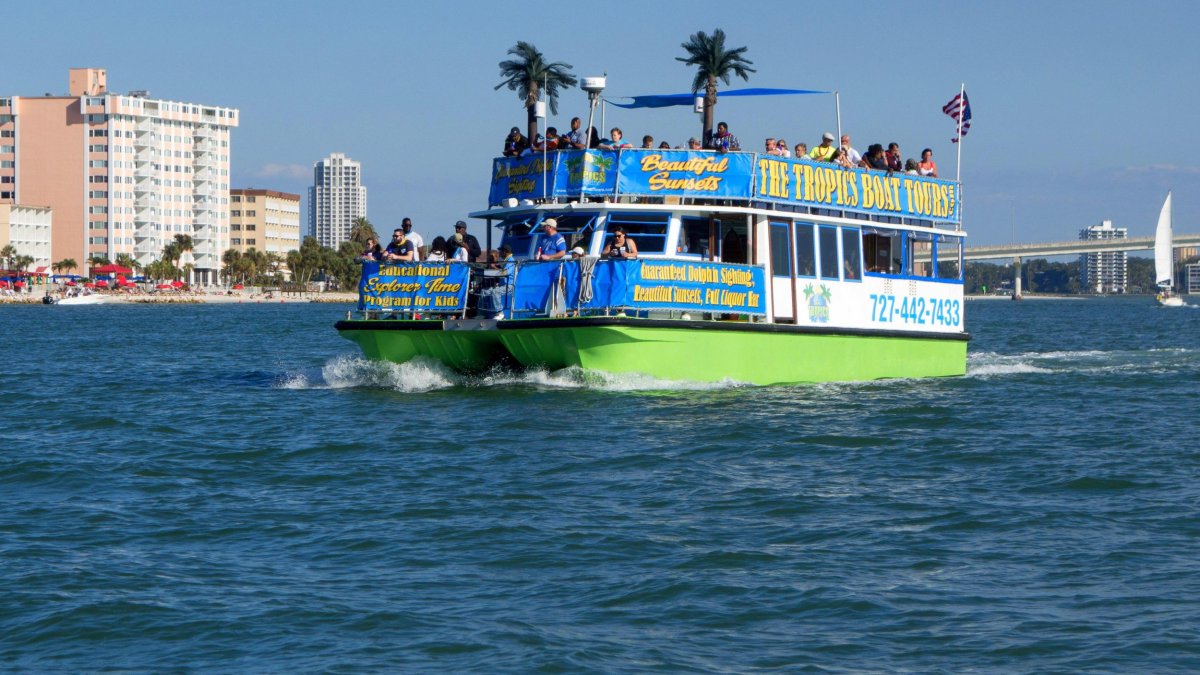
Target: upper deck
[{"x": 735, "y": 178}]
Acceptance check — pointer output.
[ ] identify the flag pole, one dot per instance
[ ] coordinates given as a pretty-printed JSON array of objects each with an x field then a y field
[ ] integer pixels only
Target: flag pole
[
  {"x": 837, "y": 105},
  {"x": 962, "y": 93}
]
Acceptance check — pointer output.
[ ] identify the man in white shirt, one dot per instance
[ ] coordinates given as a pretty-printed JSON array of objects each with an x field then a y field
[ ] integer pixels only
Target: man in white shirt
[
  {"x": 851, "y": 155},
  {"x": 417, "y": 240}
]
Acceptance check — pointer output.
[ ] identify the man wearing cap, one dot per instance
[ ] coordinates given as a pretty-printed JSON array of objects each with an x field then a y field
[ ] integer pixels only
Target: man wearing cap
[
  {"x": 824, "y": 151},
  {"x": 515, "y": 143},
  {"x": 418, "y": 242},
  {"x": 400, "y": 250},
  {"x": 473, "y": 247},
  {"x": 552, "y": 245}
]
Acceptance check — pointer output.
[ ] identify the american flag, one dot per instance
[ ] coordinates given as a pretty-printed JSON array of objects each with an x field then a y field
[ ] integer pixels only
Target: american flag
[{"x": 959, "y": 105}]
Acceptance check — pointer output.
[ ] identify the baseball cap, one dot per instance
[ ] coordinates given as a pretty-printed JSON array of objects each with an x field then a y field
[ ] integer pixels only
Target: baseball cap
[
  {"x": 550, "y": 222},
  {"x": 827, "y": 137},
  {"x": 514, "y": 130},
  {"x": 460, "y": 224},
  {"x": 578, "y": 250}
]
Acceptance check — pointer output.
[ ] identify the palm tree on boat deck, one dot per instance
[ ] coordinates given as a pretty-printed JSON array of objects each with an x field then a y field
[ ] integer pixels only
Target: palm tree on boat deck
[
  {"x": 713, "y": 61},
  {"x": 527, "y": 73}
]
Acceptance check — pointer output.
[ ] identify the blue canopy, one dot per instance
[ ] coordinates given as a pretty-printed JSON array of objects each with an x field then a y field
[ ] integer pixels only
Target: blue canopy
[{"x": 667, "y": 100}]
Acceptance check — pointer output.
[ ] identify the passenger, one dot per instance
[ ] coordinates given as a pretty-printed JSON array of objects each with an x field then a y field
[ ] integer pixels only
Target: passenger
[
  {"x": 647, "y": 142},
  {"x": 927, "y": 167},
  {"x": 800, "y": 151},
  {"x": 853, "y": 156},
  {"x": 552, "y": 245},
  {"x": 577, "y": 253},
  {"x": 848, "y": 270},
  {"x": 459, "y": 252},
  {"x": 723, "y": 141},
  {"x": 474, "y": 250},
  {"x": 400, "y": 250},
  {"x": 437, "y": 250},
  {"x": 615, "y": 141},
  {"x": 372, "y": 252},
  {"x": 875, "y": 158},
  {"x": 910, "y": 166},
  {"x": 694, "y": 144},
  {"x": 783, "y": 148},
  {"x": 491, "y": 298},
  {"x": 593, "y": 138},
  {"x": 895, "y": 163},
  {"x": 535, "y": 147},
  {"x": 839, "y": 158},
  {"x": 824, "y": 151},
  {"x": 515, "y": 143},
  {"x": 417, "y": 240},
  {"x": 664, "y": 146},
  {"x": 573, "y": 140},
  {"x": 621, "y": 247},
  {"x": 770, "y": 147},
  {"x": 551, "y": 141}
]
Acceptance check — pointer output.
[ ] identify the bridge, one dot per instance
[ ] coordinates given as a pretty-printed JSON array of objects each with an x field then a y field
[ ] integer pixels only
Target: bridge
[{"x": 1045, "y": 250}]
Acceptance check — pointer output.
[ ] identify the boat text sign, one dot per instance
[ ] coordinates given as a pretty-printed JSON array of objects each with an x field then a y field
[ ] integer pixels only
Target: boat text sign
[
  {"x": 681, "y": 173},
  {"x": 639, "y": 284},
  {"x": 413, "y": 286},
  {"x": 734, "y": 175},
  {"x": 831, "y": 186}
]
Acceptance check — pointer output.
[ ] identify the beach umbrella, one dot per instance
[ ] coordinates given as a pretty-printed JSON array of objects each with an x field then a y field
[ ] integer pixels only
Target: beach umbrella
[
  {"x": 72, "y": 283},
  {"x": 112, "y": 269},
  {"x": 165, "y": 286},
  {"x": 177, "y": 284}
]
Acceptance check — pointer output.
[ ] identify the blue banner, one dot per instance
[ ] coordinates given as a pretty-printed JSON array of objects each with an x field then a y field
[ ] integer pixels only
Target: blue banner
[
  {"x": 826, "y": 185},
  {"x": 413, "y": 286},
  {"x": 541, "y": 288},
  {"x": 735, "y": 175},
  {"x": 682, "y": 173}
]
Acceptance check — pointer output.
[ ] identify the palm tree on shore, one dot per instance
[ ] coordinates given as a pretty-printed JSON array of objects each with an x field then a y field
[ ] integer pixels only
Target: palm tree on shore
[
  {"x": 64, "y": 265},
  {"x": 527, "y": 74},
  {"x": 362, "y": 230},
  {"x": 713, "y": 61},
  {"x": 7, "y": 254}
]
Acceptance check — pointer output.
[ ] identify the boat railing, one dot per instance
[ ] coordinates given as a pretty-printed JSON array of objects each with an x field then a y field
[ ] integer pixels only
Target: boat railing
[{"x": 578, "y": 287}]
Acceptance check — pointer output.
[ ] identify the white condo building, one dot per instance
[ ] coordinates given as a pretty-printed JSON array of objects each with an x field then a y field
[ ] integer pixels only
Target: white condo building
[
  {"x": 1103, "y": 272},
  {"x": 336, "y": 199},
  {"x": 124, "y": 173}
]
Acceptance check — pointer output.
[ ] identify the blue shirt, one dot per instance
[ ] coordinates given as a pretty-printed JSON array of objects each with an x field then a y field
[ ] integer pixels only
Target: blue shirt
[
  {"x": 401, "y": 249},
  {"x": 551, "y": 244}
]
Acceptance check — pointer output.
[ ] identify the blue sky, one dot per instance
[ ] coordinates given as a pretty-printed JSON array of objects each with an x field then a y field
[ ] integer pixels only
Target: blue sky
[{"x": 1084, "y": 111}]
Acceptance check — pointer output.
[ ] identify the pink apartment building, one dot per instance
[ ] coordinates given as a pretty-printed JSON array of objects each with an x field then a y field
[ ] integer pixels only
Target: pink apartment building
[{"x": 123, "y": 173}]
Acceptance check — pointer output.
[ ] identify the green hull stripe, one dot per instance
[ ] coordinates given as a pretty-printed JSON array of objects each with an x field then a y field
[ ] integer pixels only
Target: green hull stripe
[{"x": 673, "y": 353}]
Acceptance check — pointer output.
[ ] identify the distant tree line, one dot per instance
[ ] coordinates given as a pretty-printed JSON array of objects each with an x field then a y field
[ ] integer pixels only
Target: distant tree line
[{"x": 1041, "y": 276}]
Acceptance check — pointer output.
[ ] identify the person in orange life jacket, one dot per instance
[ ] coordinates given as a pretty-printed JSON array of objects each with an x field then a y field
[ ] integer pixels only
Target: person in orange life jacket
[
  {"x": 621, "y": 247},
  {"x": 552, "y": 245}
]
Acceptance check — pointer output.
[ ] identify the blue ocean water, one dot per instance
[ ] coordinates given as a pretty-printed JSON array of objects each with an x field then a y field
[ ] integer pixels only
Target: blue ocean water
[{"x": 234, "y": 488}]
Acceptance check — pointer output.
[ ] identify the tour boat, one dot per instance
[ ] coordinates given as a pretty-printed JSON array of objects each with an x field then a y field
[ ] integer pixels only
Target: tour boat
[
  {"x": 1164, "y": 258},
  {"x": 750, "y": 268}
]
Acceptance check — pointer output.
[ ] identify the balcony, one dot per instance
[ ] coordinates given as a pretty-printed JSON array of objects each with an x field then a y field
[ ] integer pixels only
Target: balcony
[
  {"x": 145, "y": 140},
  {"x": 145, "y": 126},
  {"x": 205, "y": 233},
  {"x": 205, "y": 175},
  {"x": 145, "y": 184},
  {"x": 204, "y": 218},
  {"x": 203, "y": 190},
  {"x": 204, "y": 145},
  {"x": 145, "y": 200}
]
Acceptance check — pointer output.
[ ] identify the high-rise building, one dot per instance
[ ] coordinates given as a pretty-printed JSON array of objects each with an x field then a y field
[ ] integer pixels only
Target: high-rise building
[
  {"x": 336, "y": 199},
  {"x": 264, "y": 220},
  {"x": 124, "y": 173},
  {"x": 1103, "y": 272}
]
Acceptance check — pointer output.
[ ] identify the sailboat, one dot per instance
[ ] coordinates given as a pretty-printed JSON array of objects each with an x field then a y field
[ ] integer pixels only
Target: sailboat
[{"x": 1164, "y": 259}]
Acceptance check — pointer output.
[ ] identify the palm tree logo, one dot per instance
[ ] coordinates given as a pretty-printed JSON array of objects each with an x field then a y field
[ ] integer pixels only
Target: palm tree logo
[
  {"x": 590, "y": 167},
  {"x": 818, "y": 300}
]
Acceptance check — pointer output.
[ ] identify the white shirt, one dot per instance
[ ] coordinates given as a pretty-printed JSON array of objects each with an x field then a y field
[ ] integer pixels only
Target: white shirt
[{"x": 418, "y": 241}]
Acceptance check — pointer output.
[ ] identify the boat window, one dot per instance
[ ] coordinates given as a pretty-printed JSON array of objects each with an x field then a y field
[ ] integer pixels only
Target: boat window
[
  {"x": 517, "y": 234},
  {"x": 521, "y": 232},
  {"x": 921, "y": 254},
  {"x": 647, "y": 230},
  {"x": 732, "y": 233},
  {"x": 882, "y": 251},
  {"x": 693, "y": 237},
  {"x": 829, "y": 252},
  {"x": 851, "y": 254},
  {"x": 781, "y": 259},
  {"x": 806, "y": 253},
  {"x": 949, "y": 254}
]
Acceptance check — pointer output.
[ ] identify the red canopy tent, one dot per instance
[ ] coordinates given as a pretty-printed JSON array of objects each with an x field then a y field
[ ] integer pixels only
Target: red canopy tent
[
  {"x": 111, "y": 269},
  {"x": 178, "y": 284}
]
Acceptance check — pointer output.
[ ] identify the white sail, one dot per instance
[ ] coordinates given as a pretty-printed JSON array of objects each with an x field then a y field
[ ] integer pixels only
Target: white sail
[{"x": 1164, "y": 271}]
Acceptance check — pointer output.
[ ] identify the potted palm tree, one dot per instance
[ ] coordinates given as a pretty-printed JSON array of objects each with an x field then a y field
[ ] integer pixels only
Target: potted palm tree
[
  {"x": 713, "y": 61},
  {"x": 528, "y": 73}
]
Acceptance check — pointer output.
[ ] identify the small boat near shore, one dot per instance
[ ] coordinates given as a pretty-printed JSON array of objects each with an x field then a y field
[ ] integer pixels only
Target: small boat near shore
[
  {"x": 76, "y": 299},
  {"x": 752, "y": 268}
]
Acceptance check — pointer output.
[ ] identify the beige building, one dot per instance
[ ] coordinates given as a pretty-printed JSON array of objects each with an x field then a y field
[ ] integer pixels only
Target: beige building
[
  {"x": 265, "y": 220},
  {"x": 124, "y": 173},
  {"x": 27, "y": 228}
]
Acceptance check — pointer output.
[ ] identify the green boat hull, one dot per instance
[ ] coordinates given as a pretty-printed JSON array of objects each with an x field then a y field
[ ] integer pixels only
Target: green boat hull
[
  {"x": 463, "y": 345},
  {"x": 760, "y": 354}
]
